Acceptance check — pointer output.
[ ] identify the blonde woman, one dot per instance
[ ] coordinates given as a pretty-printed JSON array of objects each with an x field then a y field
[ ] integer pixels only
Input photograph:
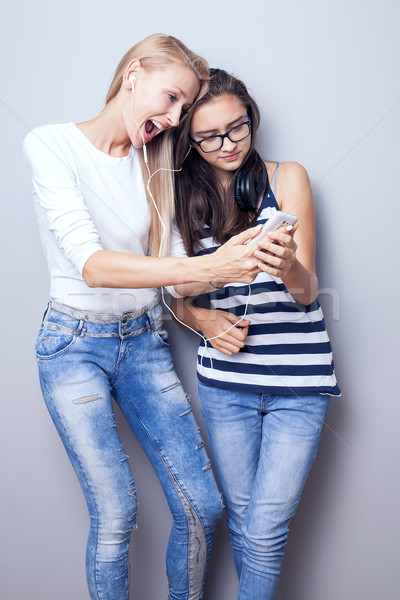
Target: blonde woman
[{"x": 102, "y": 334}]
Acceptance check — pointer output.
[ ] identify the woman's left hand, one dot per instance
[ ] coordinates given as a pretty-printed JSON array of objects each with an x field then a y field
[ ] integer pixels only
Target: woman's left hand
[{"x": 277, "y": 251}]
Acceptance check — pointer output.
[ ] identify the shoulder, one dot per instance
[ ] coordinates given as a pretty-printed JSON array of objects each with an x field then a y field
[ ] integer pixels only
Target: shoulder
[
  {"x": 48, "y": 144},
  {"x": 47, "y": 132},
  {"x": 46, "y": 136},
  {"x": 292, "y": 168},
  {"x": 292, "y": 173},
  {"x": 292, "y": 180},
  {"x": 288, "y": 171}
]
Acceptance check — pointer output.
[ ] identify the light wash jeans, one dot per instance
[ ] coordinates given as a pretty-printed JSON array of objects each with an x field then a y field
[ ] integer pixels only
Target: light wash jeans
[
  {"x": 263, "y": 447},
  {"x": 84, "y": 360}
]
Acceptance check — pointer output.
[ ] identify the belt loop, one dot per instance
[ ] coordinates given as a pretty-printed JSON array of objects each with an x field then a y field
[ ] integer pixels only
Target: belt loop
[
  {"x": 150, "y": 319},
  {"x": 79, "y": 329},
  {"x": 45, "y": 314}
]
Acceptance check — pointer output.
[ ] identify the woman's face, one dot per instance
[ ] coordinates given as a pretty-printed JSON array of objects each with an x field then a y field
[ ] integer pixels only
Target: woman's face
[
  {"x": 160, "y": 96},
  {"x": 215, "y": 117}
]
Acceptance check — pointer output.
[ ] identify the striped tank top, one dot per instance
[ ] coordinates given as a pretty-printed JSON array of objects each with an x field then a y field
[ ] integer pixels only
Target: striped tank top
[{"x": 287, "y": 349}]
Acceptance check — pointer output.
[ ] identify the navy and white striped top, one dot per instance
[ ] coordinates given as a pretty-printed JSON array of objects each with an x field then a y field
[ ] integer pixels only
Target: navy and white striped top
[{"x": 287, "y": 349}]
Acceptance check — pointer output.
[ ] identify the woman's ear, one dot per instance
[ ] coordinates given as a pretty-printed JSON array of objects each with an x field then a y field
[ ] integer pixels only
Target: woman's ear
[{"x": 132, "y": 70}]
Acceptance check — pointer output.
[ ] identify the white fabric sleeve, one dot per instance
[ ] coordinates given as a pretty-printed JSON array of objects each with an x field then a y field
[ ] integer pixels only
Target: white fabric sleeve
[
  {"x": 176, "y": 248},
  {"x": 55, "y": 187}
]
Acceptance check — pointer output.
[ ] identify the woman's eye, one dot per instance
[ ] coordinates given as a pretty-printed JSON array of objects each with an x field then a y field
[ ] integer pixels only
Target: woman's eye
[
  {"x": 184, "y": 111},
  {"x": 172, "y": 97}
]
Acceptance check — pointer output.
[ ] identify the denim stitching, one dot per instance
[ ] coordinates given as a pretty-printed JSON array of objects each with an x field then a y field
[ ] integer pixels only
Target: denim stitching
[
  {"x": 196, "y": 533},
  {"x": 195, "y": 526}
]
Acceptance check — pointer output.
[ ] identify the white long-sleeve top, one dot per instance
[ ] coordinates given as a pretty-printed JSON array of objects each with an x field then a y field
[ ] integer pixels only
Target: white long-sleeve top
[{"x": 86, "y": 201}]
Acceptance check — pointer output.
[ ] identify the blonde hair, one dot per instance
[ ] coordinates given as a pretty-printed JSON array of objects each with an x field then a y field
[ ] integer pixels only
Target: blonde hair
[{"x": 156, "y": 52}]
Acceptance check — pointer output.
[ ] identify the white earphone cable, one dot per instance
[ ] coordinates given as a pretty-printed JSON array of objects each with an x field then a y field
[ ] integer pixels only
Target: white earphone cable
[{"x": 150, "y": 176}]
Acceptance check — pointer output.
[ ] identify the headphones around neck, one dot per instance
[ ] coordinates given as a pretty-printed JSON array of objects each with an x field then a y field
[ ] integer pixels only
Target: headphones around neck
[{"x": 248, "y": 187}]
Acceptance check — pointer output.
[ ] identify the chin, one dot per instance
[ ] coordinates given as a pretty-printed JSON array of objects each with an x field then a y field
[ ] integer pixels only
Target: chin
[{"x": 232, "y": 166}]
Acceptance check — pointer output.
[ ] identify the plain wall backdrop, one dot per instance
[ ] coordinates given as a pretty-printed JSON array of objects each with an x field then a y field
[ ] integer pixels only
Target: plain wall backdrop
[{"x": 325, "y": 75}]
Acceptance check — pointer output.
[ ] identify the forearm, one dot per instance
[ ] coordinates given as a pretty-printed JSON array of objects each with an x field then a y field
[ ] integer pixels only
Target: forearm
[
  {"x": 301, "y": 283},
  {"x": 196, "y": 289},
  {"x": 234, "y": 261},
  {"x": 121, "y": 270}
]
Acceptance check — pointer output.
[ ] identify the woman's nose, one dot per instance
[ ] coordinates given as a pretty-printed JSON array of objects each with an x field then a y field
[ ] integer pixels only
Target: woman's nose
[
  {"x": 173, "y": 116},
  {"x": 227, "y": 144}
]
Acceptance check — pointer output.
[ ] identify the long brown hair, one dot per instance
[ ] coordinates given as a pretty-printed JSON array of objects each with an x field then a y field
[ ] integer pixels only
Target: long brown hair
[
  {"x": 156, "y": 52},
  {"x": 199, "y": 195}
]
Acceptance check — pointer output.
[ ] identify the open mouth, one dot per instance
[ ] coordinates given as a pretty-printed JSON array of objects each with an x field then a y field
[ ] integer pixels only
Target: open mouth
[{"x": 151, "y": 128}]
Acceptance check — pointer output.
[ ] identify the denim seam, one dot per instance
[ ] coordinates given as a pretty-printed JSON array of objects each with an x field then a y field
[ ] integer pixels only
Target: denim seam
[
  {"x": 191, "y": 515},
  {"x": 121, "y": 354},
  {"x": 195, "y": 586}
]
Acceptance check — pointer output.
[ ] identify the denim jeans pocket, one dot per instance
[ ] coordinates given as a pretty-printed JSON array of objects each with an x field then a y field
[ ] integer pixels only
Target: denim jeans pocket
[
  {"x": 161, "y": 336},
  {"x": 52, "y": 342}
]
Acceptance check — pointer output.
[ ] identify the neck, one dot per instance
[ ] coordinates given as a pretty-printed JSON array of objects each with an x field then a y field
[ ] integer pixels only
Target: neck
[{"x": 107, "y": 131}]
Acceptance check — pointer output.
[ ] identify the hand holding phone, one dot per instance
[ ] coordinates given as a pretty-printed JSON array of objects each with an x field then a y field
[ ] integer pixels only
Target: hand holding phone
[{"x": 278, "y": 219}]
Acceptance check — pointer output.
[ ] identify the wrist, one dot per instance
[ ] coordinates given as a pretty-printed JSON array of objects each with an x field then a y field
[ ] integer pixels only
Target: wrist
[
  {"x": 200, "y": 269},
  {"x": 217, "y": 285},
  {"x": 197, "y": 316}
]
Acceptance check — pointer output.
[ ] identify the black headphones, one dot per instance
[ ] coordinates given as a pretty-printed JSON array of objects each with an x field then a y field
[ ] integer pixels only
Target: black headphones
[{"x": 248, "y": 188}]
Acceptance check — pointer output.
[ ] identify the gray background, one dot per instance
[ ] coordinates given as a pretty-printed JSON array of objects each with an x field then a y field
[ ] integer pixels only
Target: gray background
[{"x": 326, "y": 77}]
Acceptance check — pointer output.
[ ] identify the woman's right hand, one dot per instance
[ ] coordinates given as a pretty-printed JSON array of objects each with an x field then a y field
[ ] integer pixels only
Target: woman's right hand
[
  {"x": 234, "y": 261},
  {"x": 214, "y": 323}
]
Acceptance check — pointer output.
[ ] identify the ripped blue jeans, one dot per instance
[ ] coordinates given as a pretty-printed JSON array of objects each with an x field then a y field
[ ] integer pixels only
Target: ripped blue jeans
[{"x": 86, "y": 359}]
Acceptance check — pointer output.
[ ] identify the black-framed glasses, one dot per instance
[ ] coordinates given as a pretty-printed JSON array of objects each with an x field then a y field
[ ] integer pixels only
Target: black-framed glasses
[{"x": 215, "y": 142}]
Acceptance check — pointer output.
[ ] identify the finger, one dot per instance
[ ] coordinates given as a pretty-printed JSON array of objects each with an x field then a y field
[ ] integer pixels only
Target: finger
[
  {"x": 238, "y": 341},
  {"x": 281, "y": 259},
  {"x": 233, "y": 334},
  {"x": 271, "y": 259},
  {"x": 277, "y": 247},
  {"x": 240, "y": 332},
  {"x": 280, "y": 236},
  {"x": 234, "y": 319},
  {"x": 246, "y": 235},
  {"x": 225, "y": 347},
  {"x": 273, "y": 250},
  {"x": 289, "y": 228},
  {"x": 271, "y": 270},
  {"x": 217, "y": 346}
]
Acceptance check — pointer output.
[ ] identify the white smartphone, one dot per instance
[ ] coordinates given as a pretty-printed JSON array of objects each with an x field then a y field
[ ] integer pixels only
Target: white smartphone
[{"x": 278, "y": 219}]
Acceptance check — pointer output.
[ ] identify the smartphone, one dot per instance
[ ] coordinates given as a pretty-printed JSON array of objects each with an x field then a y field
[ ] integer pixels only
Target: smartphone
[{"x": 278, "y": 219}]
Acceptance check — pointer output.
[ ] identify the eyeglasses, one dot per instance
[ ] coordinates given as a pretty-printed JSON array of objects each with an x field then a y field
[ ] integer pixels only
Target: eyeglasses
[{"x": 215, "y": 142}]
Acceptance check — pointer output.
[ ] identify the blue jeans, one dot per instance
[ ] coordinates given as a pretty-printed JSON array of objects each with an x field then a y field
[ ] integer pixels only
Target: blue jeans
[
  {"x": 84, "y": 360},
  {"x": 263, "y": 447}
]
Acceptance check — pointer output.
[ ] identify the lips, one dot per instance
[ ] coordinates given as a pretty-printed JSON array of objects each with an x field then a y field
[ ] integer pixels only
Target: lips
[{"x": 231, "y": 157}]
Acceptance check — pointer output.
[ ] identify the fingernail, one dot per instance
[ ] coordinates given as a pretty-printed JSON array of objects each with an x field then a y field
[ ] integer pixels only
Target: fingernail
[{"x": 289, "y": 228}]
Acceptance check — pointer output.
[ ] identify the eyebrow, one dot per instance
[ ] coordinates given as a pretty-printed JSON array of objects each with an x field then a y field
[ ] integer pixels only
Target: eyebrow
[{"x": 229, "y": 125}]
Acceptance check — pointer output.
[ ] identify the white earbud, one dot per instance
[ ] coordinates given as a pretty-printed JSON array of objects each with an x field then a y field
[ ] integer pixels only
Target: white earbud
[{"x": 132, "y": 79}]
